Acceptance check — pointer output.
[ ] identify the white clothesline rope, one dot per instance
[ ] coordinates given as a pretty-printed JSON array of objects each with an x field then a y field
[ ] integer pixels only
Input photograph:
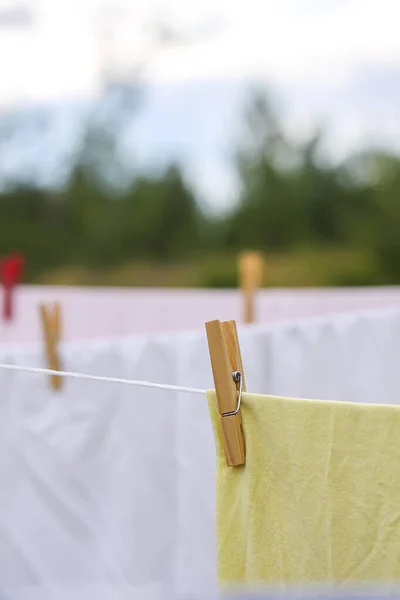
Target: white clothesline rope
[{"x": 148, "y": 384}]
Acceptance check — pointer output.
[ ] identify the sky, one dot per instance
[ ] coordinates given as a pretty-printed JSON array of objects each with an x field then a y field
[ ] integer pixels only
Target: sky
[{"x": 335, "y": 61}]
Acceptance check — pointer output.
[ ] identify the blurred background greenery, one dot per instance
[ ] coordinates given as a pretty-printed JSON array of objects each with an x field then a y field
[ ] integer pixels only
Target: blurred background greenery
[{"x": 318, "y": 223}]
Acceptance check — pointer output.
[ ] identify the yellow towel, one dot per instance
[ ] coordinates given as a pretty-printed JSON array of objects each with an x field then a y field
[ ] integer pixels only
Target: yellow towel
[{"x": 319, "y": 497}]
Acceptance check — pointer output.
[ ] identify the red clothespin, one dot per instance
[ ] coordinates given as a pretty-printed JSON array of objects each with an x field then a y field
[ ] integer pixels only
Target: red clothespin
[{"x": 11, "y": 268}]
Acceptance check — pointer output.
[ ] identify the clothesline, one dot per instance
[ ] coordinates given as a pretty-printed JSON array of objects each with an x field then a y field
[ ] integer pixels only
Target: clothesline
[{"x": 148, "y": 384}]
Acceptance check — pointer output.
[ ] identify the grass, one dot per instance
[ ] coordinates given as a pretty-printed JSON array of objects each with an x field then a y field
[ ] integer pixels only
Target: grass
[{"x": 303, "y": 268}]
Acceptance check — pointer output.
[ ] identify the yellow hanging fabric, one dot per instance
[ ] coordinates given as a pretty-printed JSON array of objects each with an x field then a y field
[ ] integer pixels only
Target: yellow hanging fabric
[{"x": 318, "y": 499}]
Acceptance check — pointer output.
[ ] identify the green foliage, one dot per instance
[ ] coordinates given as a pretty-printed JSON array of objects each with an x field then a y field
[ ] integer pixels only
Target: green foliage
[
  {"x": 290, "y": 198},
  {"x": 154, "y": 218},
  {"x": 385, "y": 174},
  {"x": 219, "y": 273}
]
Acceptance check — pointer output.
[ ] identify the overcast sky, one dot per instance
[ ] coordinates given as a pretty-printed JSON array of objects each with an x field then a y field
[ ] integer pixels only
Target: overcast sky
[{"x": 338, "y": 60}]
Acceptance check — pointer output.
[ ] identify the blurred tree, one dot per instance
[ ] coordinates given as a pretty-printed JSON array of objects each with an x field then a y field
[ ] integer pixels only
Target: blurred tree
[
  {"x": 161, "y": 217},
  {"x": 326, "y": 202},
  {"x": 266, "y": 207},
  {"x": 105, "y": 213},
  {"x": 290, "y": 196},
  {"x": 31, "y": 223},
  {"x": 384, "y": 172}
]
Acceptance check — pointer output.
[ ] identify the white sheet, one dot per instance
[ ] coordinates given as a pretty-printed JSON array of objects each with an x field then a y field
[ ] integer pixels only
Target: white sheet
[
  {"x": 96, "y": 313},
  {"x": 110, "y": 487}
]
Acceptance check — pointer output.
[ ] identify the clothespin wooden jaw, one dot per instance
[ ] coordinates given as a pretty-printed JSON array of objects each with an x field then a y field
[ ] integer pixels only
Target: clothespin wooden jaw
[
  {"x": 250, "y": 276},
  {"x": 11, "y": 269},
  {"x": 226, "y": 362},
  {"x": 51, "y": 323}
]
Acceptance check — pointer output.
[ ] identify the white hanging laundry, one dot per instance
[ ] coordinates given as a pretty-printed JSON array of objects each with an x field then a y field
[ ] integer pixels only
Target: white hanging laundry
[
  {"x": 96, "y": 313},
  {"x": 108, "y": 487}
]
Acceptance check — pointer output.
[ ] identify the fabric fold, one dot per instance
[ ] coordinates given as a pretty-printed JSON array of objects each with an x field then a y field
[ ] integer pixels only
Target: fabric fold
[{"x": 318, "y": 499}]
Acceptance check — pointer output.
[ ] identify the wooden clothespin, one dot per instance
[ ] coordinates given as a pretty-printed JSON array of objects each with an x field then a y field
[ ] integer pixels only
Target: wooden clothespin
[
  {"x": 250, "y": 276},
  {"x": 229, "y": 382},
  {"x": 11, "y": 269},
  {"x": 51, "y": 322}
]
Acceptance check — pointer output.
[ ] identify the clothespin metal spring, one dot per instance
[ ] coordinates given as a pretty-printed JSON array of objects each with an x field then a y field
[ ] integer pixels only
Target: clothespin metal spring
[{"x": 237, "y": 378}]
